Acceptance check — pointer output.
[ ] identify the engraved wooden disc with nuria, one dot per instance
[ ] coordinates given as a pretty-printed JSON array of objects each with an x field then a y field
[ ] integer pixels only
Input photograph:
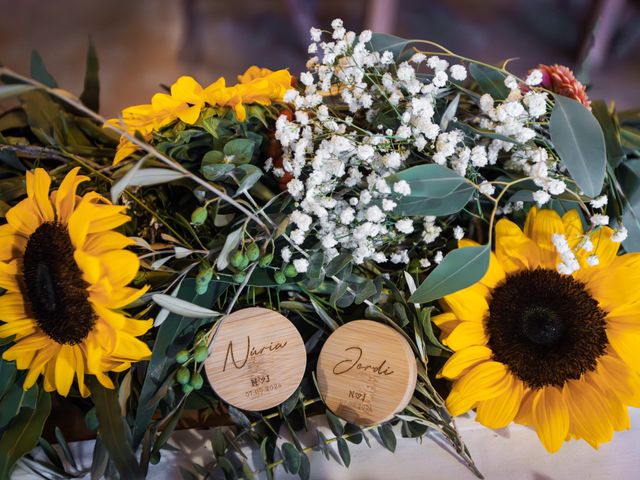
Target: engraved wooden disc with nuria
[
  {"x": 366, "y": 372},
  {"x": 257, "y": 359}
]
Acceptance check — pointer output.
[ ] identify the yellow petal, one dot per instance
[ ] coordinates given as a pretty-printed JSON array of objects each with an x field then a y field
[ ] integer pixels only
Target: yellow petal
[
  {"x": 615, "y": 285},
  {"x": 619, "y": 379},
  {"x": 446, "y": 322},
  {"x": 603, "y": 247},
  {"x": 514, "y": 250},
  {"x": 38, "y": 184},
  {"x": 66, "y": 196},
  {"x": 540, "y": 227},
  {"x": 484, "y": 381},
  {"x": 589, "y": 413},
  {"x": 99, "y": 243},
  {"x": 550, "y": 417},
  {"x": 460, "y": 362},
  {"x": 573, "y": 227},
  {"x": 121, "y": 266},
  {"x": 626, "y": 346},
  {"x": 90, "y": 266},
  {"x": 12, "y": 243},
  {"x": 24, "y": 217},
  {"x": 186, "y": 89},
  {"x": 65, "y": 363},
  {"x": 466, "y": 335},
  {"x": 125, "y": 296},
  {"x": 39, "y": 363},
  {"x": 22, "y": 352},
  {"x": 12, "y": 307},
  {"x": 500, "y": 411},
  {"x": 79, "y": 371},
  {"x": 130, "y": 348},
  {"x": 21, "y": 328},
  {"x": 625, "y": 317},
  {"x": 190, "y": 115},
  {"x": 469, "y": 304},
  {"x": 9, "y": 276}
]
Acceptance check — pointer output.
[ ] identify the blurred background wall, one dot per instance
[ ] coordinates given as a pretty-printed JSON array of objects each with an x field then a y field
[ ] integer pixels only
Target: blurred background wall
[{"x": 144, "y": 43}]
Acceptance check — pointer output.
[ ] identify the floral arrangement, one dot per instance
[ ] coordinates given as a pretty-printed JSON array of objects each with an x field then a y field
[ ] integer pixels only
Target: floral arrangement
[{"x": 491, "y": 220}]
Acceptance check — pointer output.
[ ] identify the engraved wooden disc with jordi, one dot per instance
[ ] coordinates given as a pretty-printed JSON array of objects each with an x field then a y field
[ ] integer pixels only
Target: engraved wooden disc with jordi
[
  {"x": 366, "y": 372},
  {"x": 257, "y": 359}
]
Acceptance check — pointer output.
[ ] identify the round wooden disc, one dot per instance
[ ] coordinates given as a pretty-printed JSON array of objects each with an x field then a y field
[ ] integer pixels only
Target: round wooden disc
[
  {"x": 257, "y": 359},
  {"x": 366, "y": 372}
]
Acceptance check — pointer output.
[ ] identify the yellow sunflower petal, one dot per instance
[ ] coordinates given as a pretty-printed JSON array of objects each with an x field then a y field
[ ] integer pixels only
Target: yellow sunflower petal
[
  {"x": 605, "y": 248},
  {"x": 21, "y": 328},
  {"x": 446, "y": 322},
  {"x": 24, "y": 217},
  {"x": 65, "y": 199},
  {"x": 540, "y": 227},
  {"x": 625, "y": 317},
  {"x": 514, "y": 250},
  {"x": 589, "y": 413},
  {"x": 90, "y": 266},
  {"x": 550, "y": 417},
  {"x": 460, "y": 362},
  {"x": 500, "y": 411},
  {"x": 39, "y": 363},
  {"x": 38, "y": 184},
  {"x": 104, "y": 380},
  {"x": 65, "y": 369},
  {"x": 125, "y": 296},
  {"x": 525, "y": 413},
  {"x": 129, "y": 348},
  {"x": 12, "y": 244},
  {"x": 573, "y": 227},
  {"x": 466, "y": 335},
  {"x": 12, "y": 307},
  {"x": 626, "y": 346},
  {"x": 469, "y": 304},
  {"x": 615, "y": 285},
  {"x": 99, "y": 243},
  {"x": 121, "y": 266},
  {"x": 619, "y": 379},
  {"x": 79, "y": 371},
  {"x": 23, "y": 351},
  {"x": 9, "y": 276},
  {"x": 50, "y": 377},
  {"x": 484, "y": 381}
]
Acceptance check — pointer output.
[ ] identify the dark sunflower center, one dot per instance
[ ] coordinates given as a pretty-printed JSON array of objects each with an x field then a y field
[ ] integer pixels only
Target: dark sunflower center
[
  {"x": 545, "y": 327},
  {"x": 57, "y": 294}
]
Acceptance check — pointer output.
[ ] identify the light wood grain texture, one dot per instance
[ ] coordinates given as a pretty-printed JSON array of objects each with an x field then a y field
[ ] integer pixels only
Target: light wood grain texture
[
  {"x": 366, "y": 372},
  {"x": 257, "y": 359}
]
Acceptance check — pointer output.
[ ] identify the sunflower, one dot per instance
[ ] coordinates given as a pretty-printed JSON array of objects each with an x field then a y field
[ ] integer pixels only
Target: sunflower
[
  {"x": 66, "y": 274},
  {"x": 558, "y": 352}
]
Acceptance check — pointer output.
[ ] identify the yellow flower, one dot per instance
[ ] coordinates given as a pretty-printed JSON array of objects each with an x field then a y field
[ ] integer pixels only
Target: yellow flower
[
  {"x": 188, "y": 98},
  {"x": 65, "y": 272},
  {"x": 558, "y": 352}
]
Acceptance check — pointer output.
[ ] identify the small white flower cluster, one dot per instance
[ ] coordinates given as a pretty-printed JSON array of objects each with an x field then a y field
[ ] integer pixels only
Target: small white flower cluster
[
  {"x": 339, "y": 162},
  {"x": 568, "y": 261}
]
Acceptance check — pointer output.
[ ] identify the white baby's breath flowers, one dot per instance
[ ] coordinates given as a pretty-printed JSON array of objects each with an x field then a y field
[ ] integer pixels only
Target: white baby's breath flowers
[
  {"x": 599, "y": 202},
  {"x": 541, "y": 197},
  {"x": 568, "y": 263},
  {"x": 458, "y": 72},
  {"x": 593, "y": 260},
  {"x": 486, "y": 188},
  {"x": 301, "y": 265},
  {"x": 439, "y": 256},
  {"x": 619, "y": 234},
  {"x": 285, "y": 253},
  {"x": 599, "y": 219},
  {"x": 458, "y": 232},
  {"x": 534, "y": 78}
]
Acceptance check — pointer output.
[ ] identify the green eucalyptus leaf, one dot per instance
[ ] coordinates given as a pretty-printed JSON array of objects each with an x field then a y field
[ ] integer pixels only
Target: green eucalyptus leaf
[
  {"x": 343, "y": 450},
  {"x": 334, "y": 424},
  {"x": 304, "y": 472},
  {"x": 230, "y": 244},
  {"x": 91, "y": 94},
  {"x": 611, "y": 131},
  {"x": 238, "y": 417},
  {"x": 250, "y": 175},
  {"x": 336, "y": 265},
  {"x": 629, "y": 175},
  {"x": 489, "y": 80},
  {"x": 39, "y": 72},
  {"x": 291, "y": 457},
  {"x": 435, "y": 190},
  {"x": 23, "y": 433},
  {"x": 239, "y": 150},
  {"x": 459, "y": 269},
  {"x": 144, "y": 177},
  {"x": 112, "y": 429},
  {"x": 387, "y": 436},
  {"x": 578, "y": 139},
  {"x": 381, "y": 42},
  {"x": 218, "y": 442}
]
